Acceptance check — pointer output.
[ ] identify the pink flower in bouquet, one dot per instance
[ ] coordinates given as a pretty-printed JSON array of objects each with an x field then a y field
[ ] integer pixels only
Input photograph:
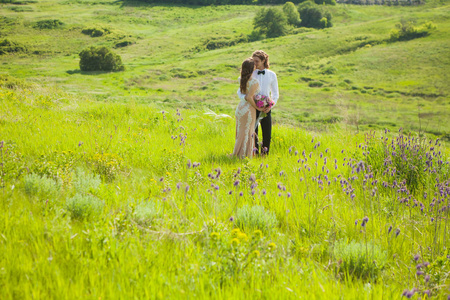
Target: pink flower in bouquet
[{"x": 259, "y": 103}]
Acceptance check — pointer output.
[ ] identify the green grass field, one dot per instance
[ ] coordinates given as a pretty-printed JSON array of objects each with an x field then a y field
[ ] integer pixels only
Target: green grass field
[
  {"x": 119, "y": 185},
  {"x": 367, "y": 83}
]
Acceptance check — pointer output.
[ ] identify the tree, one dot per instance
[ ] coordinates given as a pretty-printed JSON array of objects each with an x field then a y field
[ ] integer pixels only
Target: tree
[
  {"x": 100, "y": 59},
  {"x": 292, "y": 14},
  {"x": 314, "y": 16},
  {"x": 271, "y": 22}
]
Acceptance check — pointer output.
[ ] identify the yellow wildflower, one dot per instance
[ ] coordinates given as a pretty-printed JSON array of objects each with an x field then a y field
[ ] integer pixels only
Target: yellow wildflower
[
  {"x": 235, "y": 232},
  {"x": 257, "y": 234},
  {"x": 235, "y": 242},
  {"x": 272, "y": 246},
  {"x": 242, "y": 236},
  {"x": 214, "y": 235}
]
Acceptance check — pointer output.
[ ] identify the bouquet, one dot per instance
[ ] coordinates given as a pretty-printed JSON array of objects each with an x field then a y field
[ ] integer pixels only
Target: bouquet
[{"x": 263, "y": 101}]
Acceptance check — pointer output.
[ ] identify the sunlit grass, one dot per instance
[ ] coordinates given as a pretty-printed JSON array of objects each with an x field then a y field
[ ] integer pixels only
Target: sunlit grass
[{"x": 163, "y": 217}]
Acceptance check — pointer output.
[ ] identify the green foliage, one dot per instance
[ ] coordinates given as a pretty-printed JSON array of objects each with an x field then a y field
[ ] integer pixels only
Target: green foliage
[
  {"x": 256, "y": 217},
  {"x": 360, "y": 260},
  {"x": 96, "y": 31},
  {"x": 41, "y": 186},
  {"x": 314, "y": 16},
  {"x": 292, "y": 14},
  {"x": 124, "y": 44},
  {"x": 11, "y": 162},
  {"x": 107, "y": 165},
  {"x": 86, "y": 183},
  {"x": 234, "y": 255},
  {"x": 48, "y": 24},
  {"x": 223, "y": 42},
  {"x": 270, "y": 22},
  {"x": 8, "y": 46},
  {"x": 100, "y": 59},
  {"x": 325, "y": 2},
  {"x": 10, "y": 82},
  {"x": 58, "y": 164},
  {"x": 146, "y": 212},
  {"x": 407, "y": 157},
  {"x": 84, "y": 206},
  {"x": 315, "y": 84},
  {"x": 329, "y": 70},
  {"x": 405, "y": 30}
]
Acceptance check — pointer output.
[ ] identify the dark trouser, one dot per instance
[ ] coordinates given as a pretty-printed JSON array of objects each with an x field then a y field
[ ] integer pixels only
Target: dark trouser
[{"x": 266, "y": 126}]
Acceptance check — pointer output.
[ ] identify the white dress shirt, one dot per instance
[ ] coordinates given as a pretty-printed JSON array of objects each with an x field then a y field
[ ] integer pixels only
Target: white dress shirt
[{"x": 268, "y": 84}]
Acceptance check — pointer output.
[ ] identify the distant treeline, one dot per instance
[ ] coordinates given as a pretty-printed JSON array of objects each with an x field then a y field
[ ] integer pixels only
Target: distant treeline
[{"x": 217, "y": 2}]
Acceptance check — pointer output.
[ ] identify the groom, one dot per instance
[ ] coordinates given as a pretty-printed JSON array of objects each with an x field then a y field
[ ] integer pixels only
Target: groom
[{"x": 269, "y": 87}]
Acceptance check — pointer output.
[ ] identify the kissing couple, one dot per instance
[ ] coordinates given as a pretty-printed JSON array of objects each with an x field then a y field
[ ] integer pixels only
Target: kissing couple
[{"x": 258, "y": 93}]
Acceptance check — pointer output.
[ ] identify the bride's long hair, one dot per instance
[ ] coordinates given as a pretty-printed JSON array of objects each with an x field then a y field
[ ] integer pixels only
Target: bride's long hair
[{"x": 248, "y": 66}]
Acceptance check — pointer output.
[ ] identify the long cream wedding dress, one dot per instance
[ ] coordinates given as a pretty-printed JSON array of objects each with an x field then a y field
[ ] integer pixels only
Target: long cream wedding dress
[{"x": 245, "y": 125}]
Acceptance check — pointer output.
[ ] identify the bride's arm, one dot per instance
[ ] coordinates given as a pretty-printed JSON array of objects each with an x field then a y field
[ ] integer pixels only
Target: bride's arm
[{"x": 250, "y": 94}]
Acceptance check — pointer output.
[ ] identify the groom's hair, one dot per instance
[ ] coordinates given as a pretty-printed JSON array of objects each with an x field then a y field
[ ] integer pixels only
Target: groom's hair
[{"x": 263, "y": 56}]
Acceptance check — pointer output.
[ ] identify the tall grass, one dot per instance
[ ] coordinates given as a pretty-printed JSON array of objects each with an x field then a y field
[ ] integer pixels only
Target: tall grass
[{"x": 91, "y": 238}]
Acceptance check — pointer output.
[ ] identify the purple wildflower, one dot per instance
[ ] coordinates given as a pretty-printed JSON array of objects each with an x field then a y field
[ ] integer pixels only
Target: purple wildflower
[
  {"x": 264, "y": 192},
  {"x": 416, "y": 257},
  {"x": 241, "y": 194},
  {"x": 231, "y": 219},
  {"x": 187, "y": 188},
  {"x": 397, "y": 232}
]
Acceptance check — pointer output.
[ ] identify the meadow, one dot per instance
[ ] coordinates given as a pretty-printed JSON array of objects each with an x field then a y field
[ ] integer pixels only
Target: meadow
[{"x": 119, "y": 185}]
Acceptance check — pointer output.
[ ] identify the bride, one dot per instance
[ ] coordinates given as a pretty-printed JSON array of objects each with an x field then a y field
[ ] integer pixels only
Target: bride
[{"x": 246, "y": 112}]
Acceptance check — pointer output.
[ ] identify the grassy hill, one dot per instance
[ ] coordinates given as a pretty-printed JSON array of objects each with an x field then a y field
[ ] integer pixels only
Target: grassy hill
[
  {"x": 118, "y": 185},
  {"x": 348, "y": 74}
]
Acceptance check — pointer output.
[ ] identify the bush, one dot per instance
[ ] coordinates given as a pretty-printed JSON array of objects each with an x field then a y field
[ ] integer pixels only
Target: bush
[
  {"x": 406, "y": 30},
  {"x": 84, "y": 206},
  {"x": 124, "y": 44},
  {"x": 292, "y": 14},
  {"x": 315, "y": 84},
  {"x": 100, "y": 59},
  {"x": 96, "y": 31},
  {"x": 145, "y": 213},
  {"x": 329, "y": 70},
  {"x": 314, "y": 16},
  {"x": 48, "y": 24},
  {"x": 86, "y": 183},
  {"x": 255, "y": 217},
  {"x": 41, "y": 186},
  {"x": 359, "y": 260},
  {"x": 7, "y": 46},
  {"x": 217, "y": 43},
  {"x": 270, "y": 22}
]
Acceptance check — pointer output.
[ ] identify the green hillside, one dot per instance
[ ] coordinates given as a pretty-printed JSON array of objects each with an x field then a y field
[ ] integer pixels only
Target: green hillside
[
  {"x": 120, "y": 185},
  {"x": 361, "y": 80}
]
